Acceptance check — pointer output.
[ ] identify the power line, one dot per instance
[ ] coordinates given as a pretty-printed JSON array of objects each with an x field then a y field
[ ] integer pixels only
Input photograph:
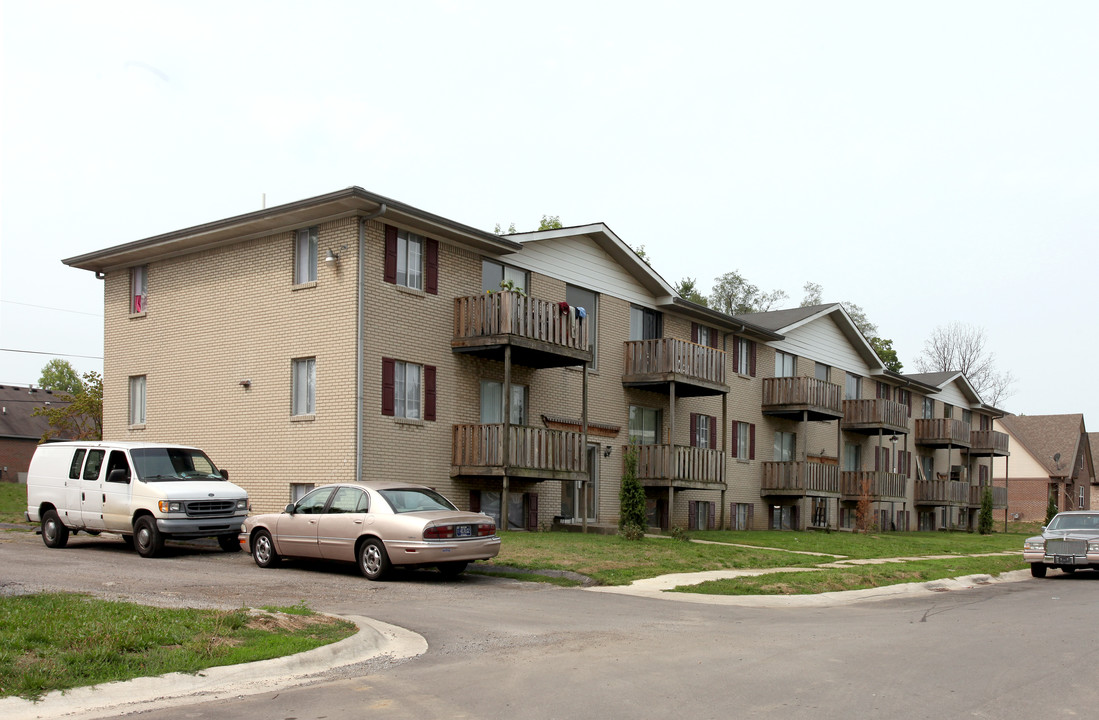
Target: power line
[
  {"x": 44, "y": 307},
  {"x": 38, "y": 352}
]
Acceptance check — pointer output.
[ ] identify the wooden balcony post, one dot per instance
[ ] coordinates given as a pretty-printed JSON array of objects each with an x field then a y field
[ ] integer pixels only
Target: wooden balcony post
[
  {"x": 506, "y": 440},
  {"x": 584, "y": 449}
]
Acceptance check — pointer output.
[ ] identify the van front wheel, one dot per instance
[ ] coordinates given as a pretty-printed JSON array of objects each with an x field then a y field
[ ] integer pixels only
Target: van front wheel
[
  {"x": 229, "y": 543},
  {"x": 147, "y": 538},
  {"x": 54, "y": 532}
]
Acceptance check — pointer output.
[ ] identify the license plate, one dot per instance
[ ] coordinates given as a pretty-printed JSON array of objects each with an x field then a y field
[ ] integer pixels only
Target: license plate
[
  {"x": 463, "y": 531},
  {"x": 1064, "y": 559}
]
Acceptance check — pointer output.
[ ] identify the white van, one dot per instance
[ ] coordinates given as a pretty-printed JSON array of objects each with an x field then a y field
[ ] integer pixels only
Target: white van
[{"x": 146, "y": 492}]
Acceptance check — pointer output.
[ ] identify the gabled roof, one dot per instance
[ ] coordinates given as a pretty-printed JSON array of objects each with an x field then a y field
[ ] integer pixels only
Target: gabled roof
[
  {"x": 1047, "y": 436},
  {"x": 348, "y": 202},
  {"x": 664, "y": 294},
  {"x": 941, "y": 379},
  {"x": 17, "y": 406},
  {"x": 785, "y": 321}
]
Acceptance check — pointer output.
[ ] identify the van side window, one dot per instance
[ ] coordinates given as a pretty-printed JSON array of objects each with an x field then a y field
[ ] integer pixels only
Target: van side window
[
  {"x": 118, "y": 462},
  {"x": 74, "y": 468},
  {"x": 95, "y": 461}
]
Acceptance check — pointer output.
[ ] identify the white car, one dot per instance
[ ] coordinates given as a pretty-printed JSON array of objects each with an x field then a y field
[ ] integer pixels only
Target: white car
[
  {"x": 1069, "y": 542},
  {"x": 376, "y": 525}
]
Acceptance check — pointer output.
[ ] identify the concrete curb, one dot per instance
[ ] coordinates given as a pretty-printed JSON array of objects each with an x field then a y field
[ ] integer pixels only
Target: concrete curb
[{"x": 374, "y": 639}]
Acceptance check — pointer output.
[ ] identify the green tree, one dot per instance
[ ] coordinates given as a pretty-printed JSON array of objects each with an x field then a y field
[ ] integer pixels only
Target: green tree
[
  {"x": 82, "y": 417},
  {"x": 58, "y": 375},
  {"x": 511, "y": 229},
  {"x": 1051, "y": 507},
  {"x": 631, "y": 497},
  {"x": 550, "y": 222},
  {"x": 734, "y": 295},
  {"x": 688, "y": 290},
  {"x": 640, "y": 252},
  {"x": 885, "y": 351},
  {"x": 984, "y": 519}
]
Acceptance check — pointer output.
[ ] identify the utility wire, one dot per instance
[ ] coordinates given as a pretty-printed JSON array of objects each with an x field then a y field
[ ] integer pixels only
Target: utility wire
[
  {"x": 44, "y": 307},
  {"x": 39, "y": 352}
]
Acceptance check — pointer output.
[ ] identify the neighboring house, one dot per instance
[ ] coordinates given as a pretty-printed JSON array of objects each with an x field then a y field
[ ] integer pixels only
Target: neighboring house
[
  {"x": 1053, "y": 458},
  {"x": 20, "y": 429},
  {"x": 350, "y": 336}
]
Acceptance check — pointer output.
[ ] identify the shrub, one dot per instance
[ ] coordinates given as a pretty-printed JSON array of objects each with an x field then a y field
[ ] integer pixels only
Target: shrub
[
  {"x": 1051, "y": 508},
  {"x": 984, "y": 520},
  {"x": 631, "y": 495}
]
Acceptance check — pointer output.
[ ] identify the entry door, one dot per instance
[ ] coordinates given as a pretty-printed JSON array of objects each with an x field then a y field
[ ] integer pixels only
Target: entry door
[
  {"x": 572, "y": 491},
  {"x": 91, "y": 490}
]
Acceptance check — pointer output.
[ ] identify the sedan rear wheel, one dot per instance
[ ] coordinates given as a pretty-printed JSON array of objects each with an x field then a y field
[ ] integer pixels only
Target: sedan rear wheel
[
  {"x": 263, "y": 549},
  {"x": 1038, "y": 569},
  {"x": 452, "y": 569},
  {"x": 373, "y": 560},
  {"x": 1068, "y": 569}
]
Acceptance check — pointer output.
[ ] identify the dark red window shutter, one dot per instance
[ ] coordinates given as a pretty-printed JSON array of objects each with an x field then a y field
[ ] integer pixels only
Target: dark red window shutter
[
  {"x": 751, "y": 514},
  {"x": 692, "y": 515},
  {"x": 713, "y": 432},
  {"x": 475, "y": 501},
  {"x": 432, "y": 282},
  {"x": 713, "y": 337},
  {"x": 694, "y": 332},
  {"x": 752, "y": 441},
  {"x": 429, "y": 392},
  {"x": 736, "y": 436},
  {"x": 388, "y": 385},
  {"x": 736, "y": 354},
  {"x": 752, "y": 358},
  {"x": 390, "y": 254},
  {"x": 694, "y": 429},
  {"x": 532, "y": 510}
]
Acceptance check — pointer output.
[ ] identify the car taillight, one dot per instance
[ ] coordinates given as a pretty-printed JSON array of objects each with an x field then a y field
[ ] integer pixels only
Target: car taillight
[
  {"x": 439, "y": 532},
  {"x": 486, "y": 530}
]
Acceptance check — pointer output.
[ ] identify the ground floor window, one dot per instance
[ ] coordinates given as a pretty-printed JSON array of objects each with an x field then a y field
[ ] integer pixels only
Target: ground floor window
[
  {"x": 742, "y": 516},
  {"x": 847, "y": 518},
  {"x": 517, "y": 515},
  {"x": 298, "y": 491},
  {"x": 700, "y": 515},
  {"x": 784, "y": 517}
]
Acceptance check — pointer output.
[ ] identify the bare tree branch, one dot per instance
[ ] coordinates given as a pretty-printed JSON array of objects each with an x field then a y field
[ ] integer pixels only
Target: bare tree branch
[{"x": 959, "y": 347}]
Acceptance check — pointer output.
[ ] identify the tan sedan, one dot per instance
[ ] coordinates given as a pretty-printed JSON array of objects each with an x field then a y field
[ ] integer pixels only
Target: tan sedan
[{"x": 375, "y": 524}]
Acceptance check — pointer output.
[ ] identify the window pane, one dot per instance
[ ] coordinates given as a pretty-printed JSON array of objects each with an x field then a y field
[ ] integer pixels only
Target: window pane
[
  {"x": 579, "y": 297},
  {"x": 492, "y": 402},
  {"x": 492, "y": 274},
  {"x": 305, "y": 256},
  {"x": 821, "y": 372},
  {"x": 517, "y": 277},
  {"x": 408, "y": 390},
  {"x": 303, "y": 390},
  {"x": 415, "y": 269},
  {"x": 852, "y": 387},
  {"x": 402, "y": 259},
  {"x": 137, "y": 400}
]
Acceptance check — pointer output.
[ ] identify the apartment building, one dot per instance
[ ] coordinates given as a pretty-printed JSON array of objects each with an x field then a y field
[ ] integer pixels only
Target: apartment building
[
  {"x": 351, "y": 336},
  {"x": 1053, "y": 458}
]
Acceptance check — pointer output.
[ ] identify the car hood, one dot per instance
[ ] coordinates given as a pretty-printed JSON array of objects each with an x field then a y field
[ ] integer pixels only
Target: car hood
[
  {"x": 199, "y": 490},
  {"x": 1075, "y": 534}
]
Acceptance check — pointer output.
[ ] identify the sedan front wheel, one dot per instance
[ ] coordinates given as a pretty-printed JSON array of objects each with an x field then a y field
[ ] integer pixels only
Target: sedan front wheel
[
  {"x": 1038, "y": 569},
  {"x": 263, "y": 549}
]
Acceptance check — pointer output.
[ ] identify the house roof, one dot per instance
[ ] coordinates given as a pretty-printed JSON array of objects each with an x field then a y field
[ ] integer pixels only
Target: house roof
[
  {"x": 349, "y": 202},
  {"x": 785, "y": 321},
  {"x": 1047, "y": 436},
  {"x": 941, "y": 379},
  {"x": 17, "y": 406}
]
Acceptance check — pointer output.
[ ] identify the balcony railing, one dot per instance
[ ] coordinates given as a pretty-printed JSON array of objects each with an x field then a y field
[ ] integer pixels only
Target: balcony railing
[
  {"x": 682, "y": 465},
  {"x": 988, "y": 442},
  {"x": 999, "y": 496},
  {"x": 790, "y": 396},
  {"x": 507, "y": 317},
  {"x": 800, "y": 478},
  {"x": 665, "y": 359},
  {"x": 942, "y": 492},
  {"x": 878, "y": 485},
  {"x": 875, "y": 414},
  {"x": 533, "y": 452},
  {"x": 941, "y": 432}
]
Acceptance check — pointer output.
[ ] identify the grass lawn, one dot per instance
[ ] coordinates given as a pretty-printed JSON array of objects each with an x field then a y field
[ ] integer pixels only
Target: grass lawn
[
  {"x": 873, "y": 545},
  {"x": 13, "y": 502},
  {"x": 88, "y": 641},
  {"x": 857, "y": 577}
]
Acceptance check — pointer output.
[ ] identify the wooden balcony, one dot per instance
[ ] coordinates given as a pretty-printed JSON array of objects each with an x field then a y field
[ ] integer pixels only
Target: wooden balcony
[
  {"x": 800, "y": 478},
  {"x": 942, "y": 432},
  {"x": 942, "y": 492},
  {"x": 988, "y": 443},
  {"x": 539, "y": 334},
  {"x": 790, "y": 397},
  {"x": 999, "y": 496},
  {"x": 680, "y": 466},
  {"x": 655, "y": 364},
  {"x": 879, "y": 485},
  {"x": 535, "y": 453},
  {"x": 874, "y": 415}
]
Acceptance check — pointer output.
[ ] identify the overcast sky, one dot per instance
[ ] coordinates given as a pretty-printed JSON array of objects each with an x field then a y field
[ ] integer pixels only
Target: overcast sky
[{"x": 933, "y": 162}]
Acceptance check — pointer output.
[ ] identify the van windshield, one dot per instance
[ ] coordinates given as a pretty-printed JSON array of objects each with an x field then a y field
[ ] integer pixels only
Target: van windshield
[{"x": 164, "y": 464}]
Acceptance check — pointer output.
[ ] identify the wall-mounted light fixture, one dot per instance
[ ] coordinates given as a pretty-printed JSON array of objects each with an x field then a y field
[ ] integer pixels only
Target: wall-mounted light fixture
[
  {"x": 245, "y": 384},
  {"x": 332, "y": 258},
  {"x": 607, "y": 451}
]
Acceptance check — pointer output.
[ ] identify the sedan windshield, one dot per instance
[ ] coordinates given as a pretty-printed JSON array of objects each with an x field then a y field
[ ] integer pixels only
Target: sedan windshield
[
  {"x": 1075, "y": 522},
  {"x": 404, "y": 500},
  {"x": 163, "y": 464}
]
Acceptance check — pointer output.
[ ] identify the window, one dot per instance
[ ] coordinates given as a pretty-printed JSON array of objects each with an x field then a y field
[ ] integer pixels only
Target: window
[
  {"x": 986, "y": 422},
  {"x": 904, "y": 397},
  {"x": 852, "y": 388},
  {"x": 744, "y": 355},
  {"x": 785, "y": 446},
  {"x": 645, "y": 324},
  {"x": 139, "y": 286},
  {"x": 495, "y": 276},
  {"x": 927, "y": 467},
  {"x": 852, "y": 457},
  {"x": 967, "y": 417},
  {"x": 785, "y": 364},
  {"x": 298, "y": 491},
  {"x": 928, "y": 408},
  {"x": 137, "y": 400},
  {"x": 820, "y": 372},
  {"x": 742, "y": 516},
  {"x": 303, "y": 386},
  {"x": 885, "y": 392},
  {"x": 406, "y": 394},
  {"x": 492, "y": 403},
  {"x": 700, "y": 515},
  {"x": 645, "y": 424},
  {"x": 94, "y": 463},
  {"x": 412, "y": 260},
  {"x": 704, "y": 335},
  {"x": 744, "y": 440},
  {"x": 408, "y": 390},
  {"x": 703, "y": 431},
  {"x": 783, "y": 517},
  {"x": 348, "y": 500},
  {"x": 77, "y": 461},
  {"x": 305, "y": 256},
  {"x": 410, "y": 252},
  {"x": 581, "y": 298}
]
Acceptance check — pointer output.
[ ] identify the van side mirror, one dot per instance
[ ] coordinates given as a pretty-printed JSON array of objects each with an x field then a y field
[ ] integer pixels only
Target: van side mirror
[
  {"x": 119, "y": 475},
  {"x": 224, "y": 474},
  {"x": 289, "y": 509}
]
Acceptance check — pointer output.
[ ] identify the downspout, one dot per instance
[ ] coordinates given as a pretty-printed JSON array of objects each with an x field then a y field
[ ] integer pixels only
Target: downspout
[{"x": 360, "y": 340}]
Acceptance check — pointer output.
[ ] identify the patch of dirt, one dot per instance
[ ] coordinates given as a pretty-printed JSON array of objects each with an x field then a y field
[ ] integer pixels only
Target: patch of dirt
[{"x": 282, "y": 621}]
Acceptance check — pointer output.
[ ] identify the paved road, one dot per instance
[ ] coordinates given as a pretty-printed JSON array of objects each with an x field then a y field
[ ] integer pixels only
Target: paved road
[{"x": 504, "y": 649}]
